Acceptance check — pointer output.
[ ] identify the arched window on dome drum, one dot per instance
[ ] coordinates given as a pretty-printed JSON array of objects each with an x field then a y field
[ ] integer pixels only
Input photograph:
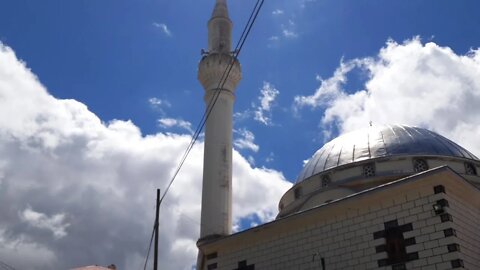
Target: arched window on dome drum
[
  {"x": 470, "y": 169},
  {"x": 420, "y": 165},
  {"x": 369, "y": 170},
  {"x": 297, "y": 192},
  {"x": 326, "y": 181}
]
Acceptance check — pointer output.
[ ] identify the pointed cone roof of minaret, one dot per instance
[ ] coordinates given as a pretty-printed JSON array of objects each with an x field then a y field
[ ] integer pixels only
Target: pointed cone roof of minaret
[{"x": 220, "y": 9}]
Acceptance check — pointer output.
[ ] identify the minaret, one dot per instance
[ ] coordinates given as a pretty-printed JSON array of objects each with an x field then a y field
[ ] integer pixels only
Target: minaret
[{"x": 216, "y": 217}]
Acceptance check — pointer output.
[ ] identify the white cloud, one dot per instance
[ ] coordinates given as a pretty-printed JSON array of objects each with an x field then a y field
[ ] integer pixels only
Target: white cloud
[
  {"x": 62, "y": 165},
  {"x": 163, "y": 27},
  {"x": 303, "y": 3},
  {"x": 251, "y": 160},
  {"x": 23, "y": 253},
  {"x": 330, "y": 89},
  {"x": 288, "y": 30},
  {"x": 270, "y": 158},
  {"x": 289, "y": 33},
  {"x": 412, "y": 83},
  {"x": 274, "y": 38},
  {"x": 159, "y": 105},
  {"x": 56, "y": 223},
  {"x": 172, "y": 122},
  {"x": 277, "y": 12},
  {"x": 246, "y": 141},
  {"x": 268, "y": 94},
  {"x": 157, "y": 102}
]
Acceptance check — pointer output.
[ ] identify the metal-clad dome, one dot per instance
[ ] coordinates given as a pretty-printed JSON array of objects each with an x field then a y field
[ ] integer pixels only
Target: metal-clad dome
[{"x": 381, "y": 141}]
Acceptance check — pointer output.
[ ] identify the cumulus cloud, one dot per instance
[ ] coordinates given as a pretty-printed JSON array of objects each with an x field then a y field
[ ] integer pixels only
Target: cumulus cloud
[
  {"x": 277, "y": 12},
  {"x": 426, "y": 85},
  {"x": 246, "y": 140},
  {"x": 172, "y": 122},
  {"x": 330, "y": 89},
  {"x": 56, "y": 223},
  {"x": 261, "y": 110},
  {"x": 267, "y": 97},
  {"x": 77, "y": 191},
  {"x": 163, "y": 27}
]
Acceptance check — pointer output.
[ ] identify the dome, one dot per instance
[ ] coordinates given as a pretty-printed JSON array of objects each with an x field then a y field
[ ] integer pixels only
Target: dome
[{"x": 381, "y": 141}]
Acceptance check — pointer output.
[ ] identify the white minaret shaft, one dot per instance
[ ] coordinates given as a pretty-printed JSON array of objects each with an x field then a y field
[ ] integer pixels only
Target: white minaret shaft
[{"x": 216, "y": 217}]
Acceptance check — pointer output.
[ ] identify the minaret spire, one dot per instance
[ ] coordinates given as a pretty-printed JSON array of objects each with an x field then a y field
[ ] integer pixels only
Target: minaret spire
[
  {"x": 216, "y": 216},
  {"x": 220, "y": 29},
  {"x": 220, "y": 9}
]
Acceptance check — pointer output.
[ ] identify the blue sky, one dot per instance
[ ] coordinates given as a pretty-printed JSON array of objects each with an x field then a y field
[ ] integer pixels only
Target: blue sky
[
  {"x": 111, "y": 56},
  {"x": 311, "y": 69}
]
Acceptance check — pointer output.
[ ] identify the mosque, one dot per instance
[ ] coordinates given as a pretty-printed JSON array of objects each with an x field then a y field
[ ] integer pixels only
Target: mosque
[{"x": 384, "y": 197}]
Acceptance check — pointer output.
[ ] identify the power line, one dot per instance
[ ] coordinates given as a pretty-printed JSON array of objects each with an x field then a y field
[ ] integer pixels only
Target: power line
[
  {"x": 213, "y": 100},
  {"x": 4, "y": 266},
  {"x": 210, "y": 106},
  {"x": 149, "y": 248}
]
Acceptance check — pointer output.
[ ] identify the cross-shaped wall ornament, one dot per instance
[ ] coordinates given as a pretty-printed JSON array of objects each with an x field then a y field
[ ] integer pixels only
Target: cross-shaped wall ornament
[{"x": 242, "y": 265}]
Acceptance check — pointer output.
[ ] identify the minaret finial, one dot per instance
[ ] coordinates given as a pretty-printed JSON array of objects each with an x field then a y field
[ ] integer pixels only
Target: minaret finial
[{"x": 220, "y": 9}]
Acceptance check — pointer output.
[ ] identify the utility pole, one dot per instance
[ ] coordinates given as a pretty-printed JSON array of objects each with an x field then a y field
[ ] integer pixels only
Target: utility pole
[{"x": 155, "y": 251}]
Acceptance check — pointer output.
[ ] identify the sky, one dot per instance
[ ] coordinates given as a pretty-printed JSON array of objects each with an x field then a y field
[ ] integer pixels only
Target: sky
[{"x": 98, "y": 100}]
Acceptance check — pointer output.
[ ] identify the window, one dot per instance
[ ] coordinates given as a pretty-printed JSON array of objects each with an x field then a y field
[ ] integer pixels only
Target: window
[
  {"x": 420, "y": 165},
  {"x": 369, "y": 170},
  {"x": 470, "y": 169},
  {"x": 298, "y": 192},
  {"x": 326, "y": 181}
]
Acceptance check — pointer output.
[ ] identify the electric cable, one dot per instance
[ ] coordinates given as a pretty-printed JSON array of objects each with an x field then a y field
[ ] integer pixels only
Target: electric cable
[
  {"x": 213, "y": 100},
  {"x": 211, "y": 104},
  {"x": 5, "y": 266},
  {"x": 149, "y": 248}
]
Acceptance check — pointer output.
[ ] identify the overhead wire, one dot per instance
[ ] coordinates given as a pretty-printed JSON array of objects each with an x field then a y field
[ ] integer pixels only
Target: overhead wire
[
  {"x": 5, "y": 266},
  {"x": 213, "y": 100},
  {"x": 238, "y": 48},
  {"x": 149, "y": 249}
]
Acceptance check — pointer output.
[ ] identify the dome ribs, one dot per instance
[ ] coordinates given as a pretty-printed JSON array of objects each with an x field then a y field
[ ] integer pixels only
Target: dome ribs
[{"x": 381, "y": 141}]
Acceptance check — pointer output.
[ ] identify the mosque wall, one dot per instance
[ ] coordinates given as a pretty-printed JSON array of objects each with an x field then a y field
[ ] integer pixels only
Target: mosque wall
[
  {"x": 466, "y": 223},
  {"x": 363, "y": 233}
]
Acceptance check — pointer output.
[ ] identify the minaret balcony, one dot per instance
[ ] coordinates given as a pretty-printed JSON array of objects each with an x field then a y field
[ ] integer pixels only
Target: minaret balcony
[{"x": 211, "y": 70}]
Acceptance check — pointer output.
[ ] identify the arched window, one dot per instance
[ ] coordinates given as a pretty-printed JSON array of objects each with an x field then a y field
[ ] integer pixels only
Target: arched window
[{"x": 420, "y": 165}]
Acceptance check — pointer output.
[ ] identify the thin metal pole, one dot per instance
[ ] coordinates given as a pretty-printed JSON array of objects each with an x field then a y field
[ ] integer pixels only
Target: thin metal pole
[{"x": 155, "y": 252}]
